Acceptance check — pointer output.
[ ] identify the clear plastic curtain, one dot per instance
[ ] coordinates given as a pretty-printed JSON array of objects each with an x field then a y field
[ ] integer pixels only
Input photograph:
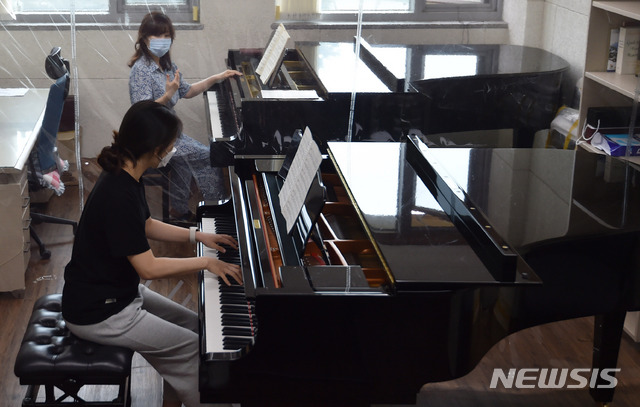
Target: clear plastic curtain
[
  {"x": 99, "y": 52},
  {"x": 356, "y": 62},
  {"x": 23, "y": 54},
  {"x": 76, "y": 104},
  {"x": 6, "y": 10}
]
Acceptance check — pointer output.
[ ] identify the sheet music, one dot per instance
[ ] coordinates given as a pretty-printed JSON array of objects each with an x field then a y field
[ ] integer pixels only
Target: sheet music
[
  {"x": 10, "y": 92},
  {"x": 290, "y": 94},
  {"x": 272, "y": 54},
  {"x": 299, "y": 178}
]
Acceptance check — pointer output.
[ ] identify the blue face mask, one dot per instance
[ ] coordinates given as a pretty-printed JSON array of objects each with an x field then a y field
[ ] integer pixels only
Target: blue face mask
[{"x": 159, "y": 46}]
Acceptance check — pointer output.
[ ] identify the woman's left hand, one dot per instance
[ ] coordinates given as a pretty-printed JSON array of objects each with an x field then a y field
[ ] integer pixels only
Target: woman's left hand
[{"x": 215, "y": 241}]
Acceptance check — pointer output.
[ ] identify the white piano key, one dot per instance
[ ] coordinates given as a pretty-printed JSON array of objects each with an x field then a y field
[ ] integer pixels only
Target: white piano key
[
  {"x": 214, "y": 116},
  {"x": 212, "y": 313}
]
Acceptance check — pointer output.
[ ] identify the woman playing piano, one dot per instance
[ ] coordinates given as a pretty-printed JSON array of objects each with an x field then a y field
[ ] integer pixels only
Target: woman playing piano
[
  {"x": 154, "y": 76},
  {"x": 103, "y": 300}
]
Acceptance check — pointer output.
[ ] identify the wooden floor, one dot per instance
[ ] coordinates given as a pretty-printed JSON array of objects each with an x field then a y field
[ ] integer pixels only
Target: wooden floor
[{"x": 559, "y": 345}]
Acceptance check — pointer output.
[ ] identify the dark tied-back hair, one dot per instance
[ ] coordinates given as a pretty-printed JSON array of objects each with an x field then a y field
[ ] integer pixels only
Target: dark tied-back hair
[
  {"x": 146, "y": 127},
  {"x": 153, "y": 24}
]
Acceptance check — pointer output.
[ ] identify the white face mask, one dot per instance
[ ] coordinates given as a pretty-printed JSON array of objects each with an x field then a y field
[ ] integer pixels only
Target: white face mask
[
  {"x": 159, "y": 46},
  {"x": 165, "y": 160}
]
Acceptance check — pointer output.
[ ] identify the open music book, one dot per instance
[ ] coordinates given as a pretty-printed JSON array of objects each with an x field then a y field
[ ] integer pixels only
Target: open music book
[
  {"x": 300, "y": 176},
  {"x": 273, "y": 54}
]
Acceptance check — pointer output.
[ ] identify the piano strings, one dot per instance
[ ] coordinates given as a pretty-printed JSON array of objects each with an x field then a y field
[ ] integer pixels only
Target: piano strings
[{"x": 268, "y": 229}]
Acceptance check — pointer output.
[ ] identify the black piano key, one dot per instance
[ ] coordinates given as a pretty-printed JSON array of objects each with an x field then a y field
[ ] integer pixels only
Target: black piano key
[
  {"x": 236, "y": 320},
  {"x": 233, "y": 287},
  {"x": 233, "y": 299},
  {"x": 235, "y": 343},
  {"x": 230, "y": 295},
  {"x": 234, "y": 309},
  {"x": 237, "y": 331}
]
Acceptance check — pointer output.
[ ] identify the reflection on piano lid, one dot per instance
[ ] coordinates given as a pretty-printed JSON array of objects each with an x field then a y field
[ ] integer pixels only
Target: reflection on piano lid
[
  {"x": 336, "y": 66},
  {"x": 422, "y": 239},
  {"x": 416, "y": 64},
  {"x": 533, "y": 196},
  {"x": 475, "y": 87}
]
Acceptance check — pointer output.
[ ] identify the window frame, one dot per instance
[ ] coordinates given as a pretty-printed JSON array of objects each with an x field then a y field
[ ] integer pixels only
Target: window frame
[
  {"x": 119, "y": 14},
  {"x": 422, "y": 11}
]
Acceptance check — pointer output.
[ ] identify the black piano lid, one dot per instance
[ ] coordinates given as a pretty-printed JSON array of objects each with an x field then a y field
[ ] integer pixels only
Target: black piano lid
[
  {"x": 434, "y": 62},
  {"x": 530, "y": 197},
  {"x": 421, "y": 247}
]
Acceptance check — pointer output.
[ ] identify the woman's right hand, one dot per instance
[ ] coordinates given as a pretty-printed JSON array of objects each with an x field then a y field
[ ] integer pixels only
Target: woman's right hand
[
  {"x": 224, "y": 270},
  {"x": 172, "y": 84}
]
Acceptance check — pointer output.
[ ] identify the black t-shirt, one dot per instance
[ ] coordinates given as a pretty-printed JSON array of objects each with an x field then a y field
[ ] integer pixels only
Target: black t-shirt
[{"x": 99, "y": 280}]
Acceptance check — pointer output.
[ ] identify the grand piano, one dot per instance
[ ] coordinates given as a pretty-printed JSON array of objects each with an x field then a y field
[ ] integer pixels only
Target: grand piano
[
  {"x": 397, "y": 90},
  {"x": 246, "y": 118},
  {"x": 419, "y": 260}
]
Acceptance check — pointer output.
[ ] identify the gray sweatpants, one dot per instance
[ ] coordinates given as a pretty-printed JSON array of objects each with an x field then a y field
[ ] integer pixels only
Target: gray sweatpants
[{"x": 163, "y": 332}]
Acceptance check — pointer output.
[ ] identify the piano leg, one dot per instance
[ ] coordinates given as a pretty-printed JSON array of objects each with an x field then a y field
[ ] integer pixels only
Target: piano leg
[{"x": 606, "y": 345}]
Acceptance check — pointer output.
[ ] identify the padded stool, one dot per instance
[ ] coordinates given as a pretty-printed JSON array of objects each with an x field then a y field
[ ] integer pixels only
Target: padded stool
[{"x": 50, "y": 355}]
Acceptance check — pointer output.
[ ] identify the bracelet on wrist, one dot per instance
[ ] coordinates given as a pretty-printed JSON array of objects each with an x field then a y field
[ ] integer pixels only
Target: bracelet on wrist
[{"x": 192, "y": 234}]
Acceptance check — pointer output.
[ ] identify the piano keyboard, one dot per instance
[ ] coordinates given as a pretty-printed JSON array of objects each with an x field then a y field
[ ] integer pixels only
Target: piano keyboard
[
  {"x": 214, "y": 116},
  {"x": 229, "y": 317},
  {"x": 222, "y": 116}
]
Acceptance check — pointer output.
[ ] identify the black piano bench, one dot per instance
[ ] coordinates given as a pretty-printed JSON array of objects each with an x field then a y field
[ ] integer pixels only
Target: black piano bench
[{"x": 51, "y": 356}]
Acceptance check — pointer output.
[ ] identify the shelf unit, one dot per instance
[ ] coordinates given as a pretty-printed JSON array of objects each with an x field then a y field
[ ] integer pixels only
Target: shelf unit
[{"x": 601, "y": 88}]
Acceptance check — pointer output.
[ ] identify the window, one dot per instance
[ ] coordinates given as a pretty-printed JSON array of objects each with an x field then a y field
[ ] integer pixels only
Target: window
[
  {"x": 394, "y": 10},
  {"x": 120, "y": 12},
  {"x": 336, "y": 6}
]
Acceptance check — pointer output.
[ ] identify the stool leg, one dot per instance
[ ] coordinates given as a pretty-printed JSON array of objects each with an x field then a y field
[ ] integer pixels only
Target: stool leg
[
  {"x": 49, "y": 393},
  {"x": 124, "y": 392},
  {"x": 31, "y": 395},
  {"x": 128, "y": 399}
]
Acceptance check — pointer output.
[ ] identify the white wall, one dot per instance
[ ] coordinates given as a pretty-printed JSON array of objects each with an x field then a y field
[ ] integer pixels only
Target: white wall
[{"x": 559, "y": 26}]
